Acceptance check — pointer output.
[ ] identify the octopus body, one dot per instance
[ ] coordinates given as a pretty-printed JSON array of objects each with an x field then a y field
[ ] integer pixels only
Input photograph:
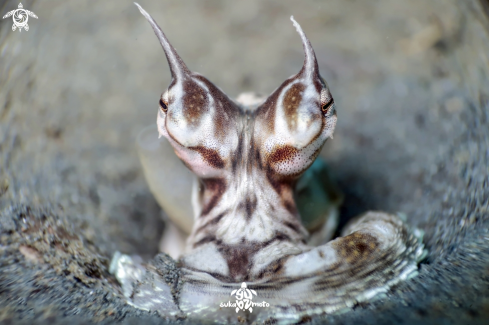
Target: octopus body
[{"x": 246, "y": 160}]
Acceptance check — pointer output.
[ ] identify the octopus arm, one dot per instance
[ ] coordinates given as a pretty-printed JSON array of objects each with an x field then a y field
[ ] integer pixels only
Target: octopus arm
[{"x": 376, "y": 251}]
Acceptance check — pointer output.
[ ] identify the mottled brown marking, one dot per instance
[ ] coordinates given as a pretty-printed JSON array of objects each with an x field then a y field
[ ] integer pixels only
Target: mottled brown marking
[
  {"x": 356, "y": 246},
  {"x": 276, "y": 184},
  {"x": 249, "y": 206},
  {"x": 279, "y": 236},
  {"x": 221, "y": 120},
  {"x": 274, "y": 268},
  {"x": 215, "y": 188},
  {"x": 205, "y": 240},
  {"x": 280, "y": 183},
  {"x": 227, "y": 104},
  {"x": 362, "y": 270},
  {"x": 238, "y": 259},
  {"x": 212, "y": 222},
  {"x": 251, "y": 162},
  {"x": 267, "y": 110},
  {"x": 291, "y": 102},
  {"x": 282, "y": 153},
  {"x": 210, "y": 156},
  {"x": 237, "y": 156},
  {"x": 195, "y": 102},
  {"x": 292, "y": 225},
  {"x": 290, "y": 206},
  {"x": 226, "y": 110},
  {"x": 258, "y": 161}
]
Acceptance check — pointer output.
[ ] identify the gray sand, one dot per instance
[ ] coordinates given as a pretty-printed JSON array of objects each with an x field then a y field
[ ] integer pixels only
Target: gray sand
[{"x": 411, "y": 82}]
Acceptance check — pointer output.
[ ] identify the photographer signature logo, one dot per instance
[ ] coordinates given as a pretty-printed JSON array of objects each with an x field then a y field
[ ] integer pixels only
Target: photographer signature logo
[
  {"x": 244, "y": 298},
  {"x": 20, "y": 17}
]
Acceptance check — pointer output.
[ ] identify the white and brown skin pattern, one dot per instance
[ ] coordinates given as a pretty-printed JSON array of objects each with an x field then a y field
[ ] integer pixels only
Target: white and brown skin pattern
[{"x": 247, "y": 226}]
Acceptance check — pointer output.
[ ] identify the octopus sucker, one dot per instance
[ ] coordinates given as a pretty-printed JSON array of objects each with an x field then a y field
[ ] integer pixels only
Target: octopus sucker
[{"x": 256, "y": 245}]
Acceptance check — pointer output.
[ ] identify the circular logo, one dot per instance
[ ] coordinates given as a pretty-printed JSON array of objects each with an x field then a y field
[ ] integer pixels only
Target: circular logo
[{"x": 20, "y": 18}]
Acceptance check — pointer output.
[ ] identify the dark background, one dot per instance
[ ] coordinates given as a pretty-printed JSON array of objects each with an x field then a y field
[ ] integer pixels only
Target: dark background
[{"x": 411, "y": 83}]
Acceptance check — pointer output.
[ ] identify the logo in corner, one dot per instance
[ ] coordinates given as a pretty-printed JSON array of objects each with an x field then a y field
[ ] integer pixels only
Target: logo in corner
[
  {"x": 244, "y": 297},
  {"x": 20, "y": 17}
]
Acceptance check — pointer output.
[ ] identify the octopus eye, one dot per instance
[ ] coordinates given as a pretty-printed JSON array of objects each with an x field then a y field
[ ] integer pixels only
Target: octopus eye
[
  {"x": 326, "y": 108},
  {"x": 163, "y": 105}
]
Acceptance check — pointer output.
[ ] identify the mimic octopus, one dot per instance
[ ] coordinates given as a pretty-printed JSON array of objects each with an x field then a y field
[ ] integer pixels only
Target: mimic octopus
[{"x": 260, "y": 220}]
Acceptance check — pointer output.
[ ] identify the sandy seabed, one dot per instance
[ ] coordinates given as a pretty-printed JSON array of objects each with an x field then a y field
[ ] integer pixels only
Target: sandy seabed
[{"x": 411, "y": 83}]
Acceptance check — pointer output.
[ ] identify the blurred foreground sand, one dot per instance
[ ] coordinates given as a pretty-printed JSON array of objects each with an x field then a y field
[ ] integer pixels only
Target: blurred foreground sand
[{"x": 411, "y": 81}]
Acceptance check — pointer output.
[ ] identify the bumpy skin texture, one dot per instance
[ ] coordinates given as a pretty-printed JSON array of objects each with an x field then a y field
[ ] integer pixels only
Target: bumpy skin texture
[{"x": 247, "y": 227}]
